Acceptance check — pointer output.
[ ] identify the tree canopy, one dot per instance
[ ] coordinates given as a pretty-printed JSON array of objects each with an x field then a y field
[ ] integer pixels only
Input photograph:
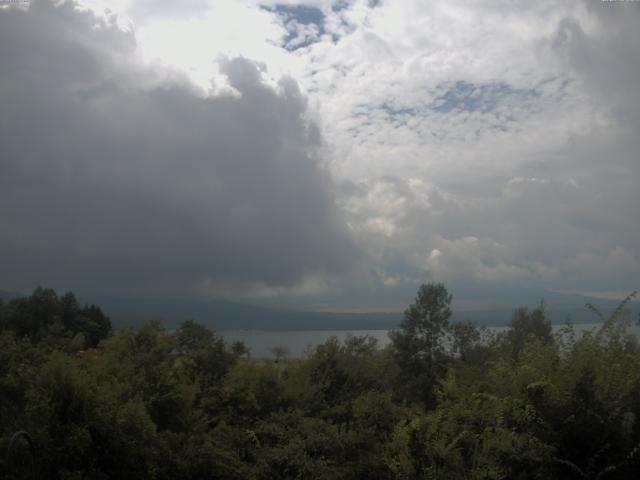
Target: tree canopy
[
  {"x": 441, "y": 401},
  {"x": 419, "y": 342}
]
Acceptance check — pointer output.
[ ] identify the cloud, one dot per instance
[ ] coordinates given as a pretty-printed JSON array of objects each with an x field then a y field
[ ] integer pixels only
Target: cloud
[
  {"x": 472, "y": 258},
  {"x": 543, "y": 232},
  {"x": 501, "y": 135},
  {"x": 515, "y": 125},
  {"x": 122, "y": 178}
]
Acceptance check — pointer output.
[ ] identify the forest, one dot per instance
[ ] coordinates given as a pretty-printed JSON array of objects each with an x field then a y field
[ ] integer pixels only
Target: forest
[{"x": 442, "y": 401}]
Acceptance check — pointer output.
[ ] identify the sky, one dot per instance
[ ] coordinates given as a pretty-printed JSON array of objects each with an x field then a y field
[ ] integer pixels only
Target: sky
[{"x": 330, "y": 154}]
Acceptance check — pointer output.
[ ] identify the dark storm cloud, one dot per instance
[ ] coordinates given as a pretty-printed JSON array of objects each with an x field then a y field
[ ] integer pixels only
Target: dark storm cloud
[{"x": 116, "y": 178}]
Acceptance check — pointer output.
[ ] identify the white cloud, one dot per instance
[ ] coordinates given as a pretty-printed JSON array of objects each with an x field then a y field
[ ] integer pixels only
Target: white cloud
[{"x": 472, "y": 258}]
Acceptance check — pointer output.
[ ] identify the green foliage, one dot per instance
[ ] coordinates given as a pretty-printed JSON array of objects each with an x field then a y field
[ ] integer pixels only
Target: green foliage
[
  {"x": 526, "y": 326},
  {"x": 149, "y": 403},
  {"x": 252, "y": 392},
  {"x": 239, "y": 349},
  {"x": 335, "y": 374},
  {"x": 280, "y": 352},
  {"x": 418, "y": 343},
  {"x": 203, "y": 356},
  {"x": 59, "y": 321}
]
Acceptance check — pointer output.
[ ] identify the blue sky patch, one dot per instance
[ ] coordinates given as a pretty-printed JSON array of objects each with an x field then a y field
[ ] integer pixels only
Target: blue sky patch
[
  {"x": 472, "y": 97},
  {"x": 304, "y": 24},
  {"x": 339, "y": 6},
  {"x": 301, "y": 14}
]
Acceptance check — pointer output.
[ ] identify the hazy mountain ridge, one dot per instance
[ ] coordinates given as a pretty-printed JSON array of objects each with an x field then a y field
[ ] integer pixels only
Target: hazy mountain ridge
[{"x": 227, "y": 315}]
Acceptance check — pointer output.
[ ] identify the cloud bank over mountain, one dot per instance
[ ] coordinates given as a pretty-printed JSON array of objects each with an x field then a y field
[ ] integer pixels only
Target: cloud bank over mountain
[{"x": 121, "y": 178}]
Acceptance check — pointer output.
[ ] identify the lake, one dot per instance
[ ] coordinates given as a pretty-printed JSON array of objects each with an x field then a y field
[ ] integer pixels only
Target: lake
[{"x": 260, "y": 342}]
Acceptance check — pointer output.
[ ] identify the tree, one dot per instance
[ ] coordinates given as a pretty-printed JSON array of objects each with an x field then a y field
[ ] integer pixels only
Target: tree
[
  {"x": 206, "y": 354},
  {"x": 94, "y": 324},
  {"x": 194, "y": 336},
  {"x": 45, "y": 316},
  {"x": 240, "y": 349},
  {"x": 465, "y": 340},
  {"x": 418, "y": 343},
  {"x": 280, "y": 352},
  {"x": 526, "y": 326}
]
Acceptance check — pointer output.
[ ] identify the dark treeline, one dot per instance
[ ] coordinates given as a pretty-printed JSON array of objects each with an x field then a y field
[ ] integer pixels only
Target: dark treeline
[{"x": 442, "y": 401}]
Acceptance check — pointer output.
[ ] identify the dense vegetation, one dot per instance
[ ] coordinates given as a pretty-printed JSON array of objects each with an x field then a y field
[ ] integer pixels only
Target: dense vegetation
[{"x": 442, "y": 401}]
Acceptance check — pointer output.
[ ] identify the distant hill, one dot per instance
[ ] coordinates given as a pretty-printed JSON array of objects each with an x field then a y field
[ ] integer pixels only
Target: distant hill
[
  {"x": 559, "y": 308},
  {"x": 224, "y": 315},
  {"x": 6, "y": 296}
]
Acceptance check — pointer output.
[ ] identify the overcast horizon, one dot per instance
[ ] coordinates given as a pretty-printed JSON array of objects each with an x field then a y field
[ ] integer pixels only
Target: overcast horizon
[{"x": 320, "y": 153}]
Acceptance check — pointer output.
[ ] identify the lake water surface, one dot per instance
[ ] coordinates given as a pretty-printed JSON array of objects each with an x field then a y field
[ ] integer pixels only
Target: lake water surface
[{"x": 297, "y": 342}]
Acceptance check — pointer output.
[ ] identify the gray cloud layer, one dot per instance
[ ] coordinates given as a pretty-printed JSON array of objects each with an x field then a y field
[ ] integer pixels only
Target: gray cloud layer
[
  {"x": 494, "y": 152},
  {"x": 530, "y": 177},
  {"x": 115, "y": 178}
]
